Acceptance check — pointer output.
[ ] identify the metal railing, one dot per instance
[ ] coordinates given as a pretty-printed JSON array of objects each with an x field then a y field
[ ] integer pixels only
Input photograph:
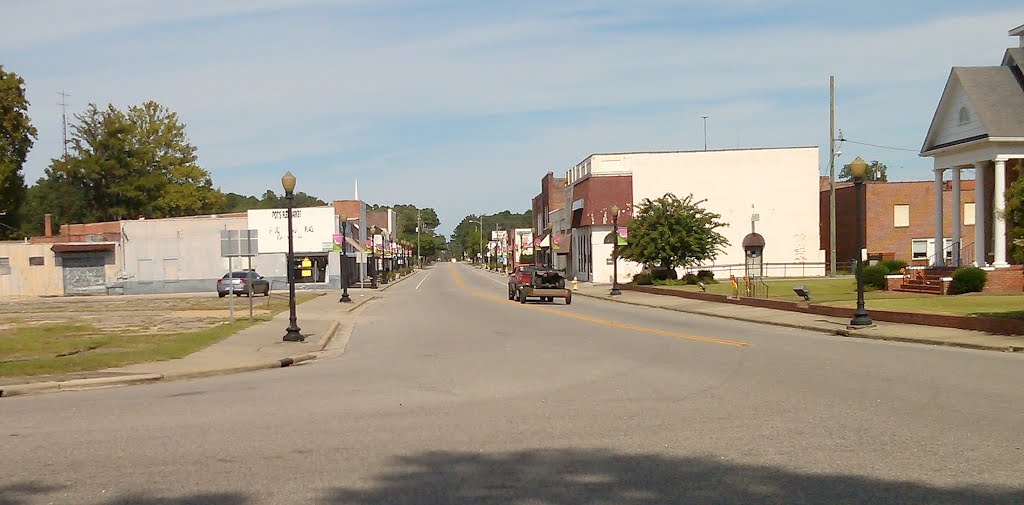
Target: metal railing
[
  {"x": 964, "y": 255},
  {"x": 804, "y": 269}
]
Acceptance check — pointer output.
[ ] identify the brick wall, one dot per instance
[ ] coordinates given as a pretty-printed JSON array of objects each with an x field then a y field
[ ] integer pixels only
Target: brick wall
[
  {"x": 1005, "y": 280},
  {"x": 883, "y": 237},
  {"x": 599, "y": 194}
]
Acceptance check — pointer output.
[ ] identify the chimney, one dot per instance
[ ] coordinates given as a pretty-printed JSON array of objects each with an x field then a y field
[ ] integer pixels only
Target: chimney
[{"x": 48, "y": 225}]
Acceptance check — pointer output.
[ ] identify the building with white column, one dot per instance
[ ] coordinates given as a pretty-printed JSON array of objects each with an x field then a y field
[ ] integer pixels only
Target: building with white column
[{"x": 978, "y": 127}]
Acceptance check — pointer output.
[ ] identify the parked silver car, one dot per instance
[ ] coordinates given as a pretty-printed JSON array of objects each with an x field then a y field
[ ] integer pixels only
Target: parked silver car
[{"x": 242, "y": 283}]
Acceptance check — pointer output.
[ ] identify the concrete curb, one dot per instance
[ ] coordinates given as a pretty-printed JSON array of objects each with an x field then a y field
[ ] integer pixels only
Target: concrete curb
[
  {"x": 400, "y": 279},
  {"x": 837, "y": 332},
  {"x": 35, "y": 388}
]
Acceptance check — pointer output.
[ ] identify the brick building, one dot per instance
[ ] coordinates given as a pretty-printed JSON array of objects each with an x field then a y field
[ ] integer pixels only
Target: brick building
[
  {"x": 546, "y": 207},
  {"x": 898, "y": 221}
]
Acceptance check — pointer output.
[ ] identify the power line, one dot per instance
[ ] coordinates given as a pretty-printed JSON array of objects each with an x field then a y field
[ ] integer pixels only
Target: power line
[{"x": 882, "y": 146}]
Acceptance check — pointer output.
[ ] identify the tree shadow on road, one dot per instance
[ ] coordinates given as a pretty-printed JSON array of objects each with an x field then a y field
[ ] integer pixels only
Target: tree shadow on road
[{"x": 590, "y": 477}]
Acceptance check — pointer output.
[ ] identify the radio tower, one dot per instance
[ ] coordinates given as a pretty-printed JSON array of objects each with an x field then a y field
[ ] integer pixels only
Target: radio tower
[{"x": 67, "y": 179}]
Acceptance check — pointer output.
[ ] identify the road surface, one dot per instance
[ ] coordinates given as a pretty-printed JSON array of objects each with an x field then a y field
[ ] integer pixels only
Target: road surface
[{"x": 448, "y": 393}]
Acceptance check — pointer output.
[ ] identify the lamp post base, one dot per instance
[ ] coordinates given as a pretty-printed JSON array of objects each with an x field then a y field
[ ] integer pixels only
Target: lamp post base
[
  {"x": 345, "y": 298},
  {"x": 861, "y": 319},
  {"x": 615, "y": 291},
  {"x": 294, "y": 335}
]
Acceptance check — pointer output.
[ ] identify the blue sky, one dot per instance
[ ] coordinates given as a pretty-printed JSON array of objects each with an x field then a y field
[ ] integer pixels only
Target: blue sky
[{"x": 464, "y": 105}]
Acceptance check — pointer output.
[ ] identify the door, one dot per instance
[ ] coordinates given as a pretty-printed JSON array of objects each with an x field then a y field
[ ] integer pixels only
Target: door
[{"x": 84, "y": 274}]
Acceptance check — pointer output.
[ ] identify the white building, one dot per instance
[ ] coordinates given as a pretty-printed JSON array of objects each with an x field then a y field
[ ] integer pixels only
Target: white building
[{"x": 777, "y": 185}]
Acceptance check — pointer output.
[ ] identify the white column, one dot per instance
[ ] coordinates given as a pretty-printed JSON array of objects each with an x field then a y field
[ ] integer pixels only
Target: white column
[
  {"x": 979, "y": 214},
  {"x": 954, "y": 216},
  {"x": 998, "y": 223},
  {"x": 938, "y": 259}
]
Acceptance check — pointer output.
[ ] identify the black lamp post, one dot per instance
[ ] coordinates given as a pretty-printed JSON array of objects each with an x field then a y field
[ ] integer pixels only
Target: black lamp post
[
  {"x": 857, "y": 169},
  {"x": 344, "y": 259},
  {"x": 373, "y": 255},
  {"x": 294, "y": 333},
  {"x": 615, "y": 250}
]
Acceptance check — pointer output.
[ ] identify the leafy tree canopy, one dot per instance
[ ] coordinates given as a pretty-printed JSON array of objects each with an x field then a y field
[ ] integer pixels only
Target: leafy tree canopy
[
  {"x": 465, "y": 238},
  {"x": 1015, "y": 215},
  {"x": 125, "y": 164},
  {"x": 408, "y": 218},
  {"x": 16, "y": 138},
  {"x": 876, "y": 171},
  {"x": 670, "y": 232}
]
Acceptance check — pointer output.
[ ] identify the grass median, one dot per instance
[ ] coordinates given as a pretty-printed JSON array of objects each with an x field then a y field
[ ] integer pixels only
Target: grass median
[
  {"x": 52, "y": 344},
  {"x": 842, "y": 292}
]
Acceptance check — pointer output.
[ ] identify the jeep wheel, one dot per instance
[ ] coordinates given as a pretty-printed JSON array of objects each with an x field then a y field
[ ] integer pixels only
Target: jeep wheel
[
  {"x": 568, "y": 298},
  {"x": 521, "y": 296},
  {"x": 511, "y": 294}
]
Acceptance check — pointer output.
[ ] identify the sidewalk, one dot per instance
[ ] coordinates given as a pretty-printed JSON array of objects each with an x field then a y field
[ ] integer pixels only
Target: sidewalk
[
  {"x": 835, "y": 326},
  {"x": 257, "y": 347}
]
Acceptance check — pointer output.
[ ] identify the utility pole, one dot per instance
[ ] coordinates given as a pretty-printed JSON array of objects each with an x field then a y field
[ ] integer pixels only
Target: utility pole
[
  {"x": 419, "y": 224},
  {"x": 705, "y": 132},
  {"x": 832, "y": 174},
  {"x": 481, "y": 237}
]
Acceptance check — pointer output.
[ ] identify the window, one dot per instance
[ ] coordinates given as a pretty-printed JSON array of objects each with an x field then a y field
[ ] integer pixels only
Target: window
[
  {"x": 919, "y": 249},
  {"x": 5, "y": 266},
  {"x": 968, "y": 214},
  {"x": 965, "y": 115},
  {"x": 36, "y": 261},
  {"x": 900, "y": 216}
]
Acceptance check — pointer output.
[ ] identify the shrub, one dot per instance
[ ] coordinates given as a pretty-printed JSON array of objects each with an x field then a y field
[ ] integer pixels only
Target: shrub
[
  {"x": 691, "y": 279},
  {"x": 705, "y": 275},
  {"x": 643, "y": 279},
  {"x": 968, "y": 280},
  {"x": 664, "y": 273},
  {"x": 874, "y": 276},
  {"x": 894, "y": 266}
]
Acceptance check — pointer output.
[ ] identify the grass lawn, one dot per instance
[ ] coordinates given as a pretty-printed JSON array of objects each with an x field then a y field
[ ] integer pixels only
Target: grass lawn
[
  {"x": 55, "y": 347},
  {"x": 842, "y": 292}
]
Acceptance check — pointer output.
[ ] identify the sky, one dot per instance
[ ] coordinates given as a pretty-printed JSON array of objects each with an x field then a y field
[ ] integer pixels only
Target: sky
[{"x": 463, "y": 106}]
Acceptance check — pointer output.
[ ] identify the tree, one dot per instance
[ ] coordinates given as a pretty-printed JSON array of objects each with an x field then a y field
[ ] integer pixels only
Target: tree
[
  {"x": 125, "y": 164},
  {"x": 406, "y": 217},
  {"x": 671, "y": 233},
  {"x": 16, "y": 138},
  {"x": 876, "y": 171},
  {"x": 465, "y": 237},
  {"x": 1015, "y": 216}
]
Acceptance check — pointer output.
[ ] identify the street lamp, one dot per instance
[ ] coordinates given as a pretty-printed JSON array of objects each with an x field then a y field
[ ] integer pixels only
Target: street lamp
[
  {"x": 344, "y": 259},
  {"x": 858, "y": 168},
  {"x": 373, "y": 255},
  {"x": 294, "y": 333},
  {"x": 615, "y": 250},
  {"x": 551, "y": 245}
]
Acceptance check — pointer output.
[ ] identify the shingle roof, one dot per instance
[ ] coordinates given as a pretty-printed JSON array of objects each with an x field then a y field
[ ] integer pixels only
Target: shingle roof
[{"x": 996, "y": 97}]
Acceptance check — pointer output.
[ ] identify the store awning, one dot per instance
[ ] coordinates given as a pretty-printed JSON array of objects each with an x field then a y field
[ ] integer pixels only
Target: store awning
[{"x": 93, "y": 247}]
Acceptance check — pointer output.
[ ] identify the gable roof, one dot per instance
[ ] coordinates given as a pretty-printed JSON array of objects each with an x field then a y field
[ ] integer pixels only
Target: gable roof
[{"x": 995, "y": 96}]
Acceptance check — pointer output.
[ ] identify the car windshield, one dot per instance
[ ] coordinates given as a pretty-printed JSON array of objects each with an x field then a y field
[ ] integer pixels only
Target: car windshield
[{"x": 240, "y": 275}]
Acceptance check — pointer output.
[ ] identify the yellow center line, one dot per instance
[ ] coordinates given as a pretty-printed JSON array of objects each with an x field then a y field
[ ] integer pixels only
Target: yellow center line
[{"x": 605, "y": 322}]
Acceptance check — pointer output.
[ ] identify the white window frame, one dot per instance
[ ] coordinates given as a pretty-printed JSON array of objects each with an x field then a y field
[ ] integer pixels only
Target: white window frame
[
  {"x": 898, "y": 211},
  {"x": 913, "y": 253},
  {"x": 968, "y": 214}
]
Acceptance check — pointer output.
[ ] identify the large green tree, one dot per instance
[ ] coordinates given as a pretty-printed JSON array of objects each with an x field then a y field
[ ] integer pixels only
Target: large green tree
[
  {"x": 126, "y": 164},
  {"x": 16, "y": 138},
  {"x": 670, "y": 232},
  {"x": 876, "y": 171}
]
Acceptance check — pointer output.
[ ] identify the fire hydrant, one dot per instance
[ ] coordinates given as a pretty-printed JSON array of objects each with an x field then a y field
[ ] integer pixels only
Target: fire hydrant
[{"x": 575, "y": 284}]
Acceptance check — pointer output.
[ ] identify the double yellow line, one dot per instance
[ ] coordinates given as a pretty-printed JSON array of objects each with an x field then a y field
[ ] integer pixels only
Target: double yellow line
[{"x": 604, "y": 322}]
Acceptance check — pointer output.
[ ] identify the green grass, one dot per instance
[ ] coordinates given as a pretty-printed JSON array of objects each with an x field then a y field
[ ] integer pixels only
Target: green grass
[
  {"x": 56, "y": 348},
  {"x": 974, "y": 304},
  {"x": 842, "y": 292},
  {"x": 35, "y": 350}
]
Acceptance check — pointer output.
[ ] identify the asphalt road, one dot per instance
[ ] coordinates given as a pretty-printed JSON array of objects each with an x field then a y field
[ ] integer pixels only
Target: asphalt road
[{"x": 448, "y": 393}]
